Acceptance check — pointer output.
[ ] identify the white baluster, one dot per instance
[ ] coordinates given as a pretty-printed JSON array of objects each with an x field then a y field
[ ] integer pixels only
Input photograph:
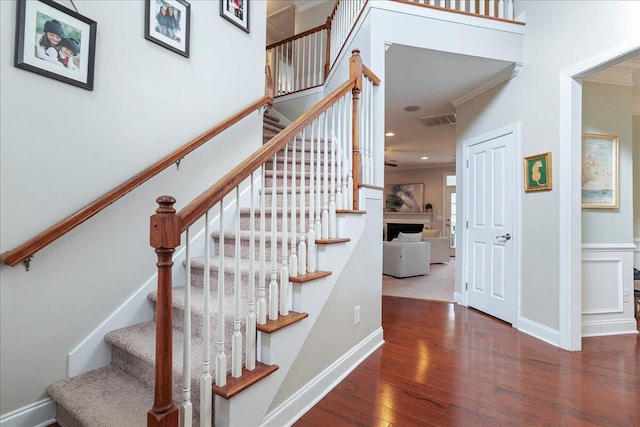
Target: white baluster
[
  {"x": 302, "y": 249},
  {"x": 205, "y": 378},
  {"x": 262, "y": 300},
  {"x": 509, "y": 11},
  {"x": 344, "y": 140},
  {"x": 492, "y": 8},
  {"x": 481, "y": 11},
  {"x": 284, "y": 269},
  {"x": 472, "y": 6},
  {"x": 251, "y": 315},
  {"x": 273, "y": 285},
  {"x": 186, "y": 408},
  {"x": 337, "y": 140},
  {"x": 293, "y": 258},
  {"x": 332, "y": 196},
  {"x": 350, "y": 152},
  {"x": 236, "y": 340},
  {"x": 324, "y": 230},
  {"x": 221, "y": 357},
  {"x": 370, "y": 131},
  {"x": 311, "y": 235}
]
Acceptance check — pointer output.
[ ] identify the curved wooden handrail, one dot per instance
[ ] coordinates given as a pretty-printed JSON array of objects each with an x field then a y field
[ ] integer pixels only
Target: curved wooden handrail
[
  {"x": 298, "y": 36},
  {"x": 206, "y": 200},
  {"x": 27, "y": 249}
]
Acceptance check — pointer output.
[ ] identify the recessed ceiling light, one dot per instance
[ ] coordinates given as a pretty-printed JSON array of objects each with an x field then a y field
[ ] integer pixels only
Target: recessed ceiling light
[
  {"x": 389, "y": 134},
  {"x": 411, "y": 108},
  {"x": 424, "y": 158}
]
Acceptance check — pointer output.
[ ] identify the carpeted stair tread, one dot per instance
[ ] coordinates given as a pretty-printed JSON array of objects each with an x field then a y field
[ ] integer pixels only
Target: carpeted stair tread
[
  {"x": 197, "y": 307},
  {"x": 105, "y": 397}
]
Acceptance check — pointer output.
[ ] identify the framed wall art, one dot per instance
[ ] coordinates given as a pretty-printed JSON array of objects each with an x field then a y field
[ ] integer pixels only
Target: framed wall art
[
  {"x": 537, "y": 173},
  {"x": 236, "y": 12},
  {"x": 168, "y": 23},
  {"x": 55, "y": 42},
  {"x": 406, "y": 198},
  {"x": 600, "y": 172}
]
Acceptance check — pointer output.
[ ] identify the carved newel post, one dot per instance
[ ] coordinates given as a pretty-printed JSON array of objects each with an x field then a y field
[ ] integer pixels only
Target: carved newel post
[
  {"x": 355, "y": 73},
  {"x": 165, "y": 237}
]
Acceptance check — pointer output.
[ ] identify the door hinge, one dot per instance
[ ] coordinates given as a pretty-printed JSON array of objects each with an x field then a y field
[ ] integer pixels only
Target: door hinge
[
  {"x": 467, "y": 162},
  {"x": 466, "y": 286},
  {"x": 467, "y": 224}
]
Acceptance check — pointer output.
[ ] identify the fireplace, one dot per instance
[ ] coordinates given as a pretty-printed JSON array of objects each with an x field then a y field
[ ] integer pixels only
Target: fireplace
[{"x": 394, "y": 228}]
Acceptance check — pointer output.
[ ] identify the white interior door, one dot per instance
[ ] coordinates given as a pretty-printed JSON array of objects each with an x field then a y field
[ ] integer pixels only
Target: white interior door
[{"x": 490, "y": 210}]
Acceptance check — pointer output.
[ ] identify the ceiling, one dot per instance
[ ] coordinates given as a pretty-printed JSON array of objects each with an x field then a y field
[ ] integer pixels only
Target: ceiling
[{"x": 430, "y": 80}]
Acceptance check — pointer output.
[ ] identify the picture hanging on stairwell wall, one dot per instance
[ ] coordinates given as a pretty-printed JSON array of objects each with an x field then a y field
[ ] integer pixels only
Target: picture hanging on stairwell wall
[
  {"x": 236, "y": 12},
  {"x": 168, "y": 23},
  {"x": 55, "y": 42}
]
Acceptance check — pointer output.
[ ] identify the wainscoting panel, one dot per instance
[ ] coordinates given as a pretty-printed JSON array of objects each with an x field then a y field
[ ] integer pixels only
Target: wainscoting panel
[
  {"x": 607, "y": 289},
  {"x": 602, "y": 286}
]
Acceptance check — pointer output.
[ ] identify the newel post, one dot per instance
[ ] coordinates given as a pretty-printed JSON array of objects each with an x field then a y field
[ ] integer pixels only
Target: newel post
[
  {"x": 355, "y": 73},
  {"x": 165, "y": 237},
  {"x": 327, "y": 59}
]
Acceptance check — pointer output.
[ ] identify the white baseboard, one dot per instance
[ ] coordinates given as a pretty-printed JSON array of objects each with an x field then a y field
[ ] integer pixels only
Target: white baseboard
[
  {"x": 636, "y": 253},
  {"x": 298, "y": 404},
  {"x": 38, "y": 414},
  {"x": 539, "y": 331},
  {"x": 609, "y": 327},
  {"x": 457, "y": 297}
]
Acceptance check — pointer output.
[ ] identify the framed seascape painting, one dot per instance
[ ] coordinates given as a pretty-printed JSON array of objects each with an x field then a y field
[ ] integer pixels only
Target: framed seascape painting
[
  {"x": 168, "y": 23},
  {"x": 55, "y": 42},
  {"x": 537, "y": 172},
  {"x": 600, "y": 172},
  {"x": 406, "y": 198},
  {"x": 236, "y": 12}
]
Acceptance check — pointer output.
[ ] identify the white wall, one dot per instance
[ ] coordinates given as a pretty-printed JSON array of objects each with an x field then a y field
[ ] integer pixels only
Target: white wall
[
  {"x": 555, "y": 39},
  {"x": 606, "y": 110},
  {"x": 62, "y": 147}
]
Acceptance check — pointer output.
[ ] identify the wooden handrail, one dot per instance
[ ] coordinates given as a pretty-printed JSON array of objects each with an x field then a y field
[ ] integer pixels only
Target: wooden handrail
[
  {"x": 27, "y": 249},
  {"x": 370, "y": 75},
  {"x": 297, "y": 36},
  {"x": 205, "y": 201}
]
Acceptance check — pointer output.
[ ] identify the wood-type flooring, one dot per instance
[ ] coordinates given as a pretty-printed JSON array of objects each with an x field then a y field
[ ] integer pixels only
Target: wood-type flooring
[{"x": 446, "y": 365}]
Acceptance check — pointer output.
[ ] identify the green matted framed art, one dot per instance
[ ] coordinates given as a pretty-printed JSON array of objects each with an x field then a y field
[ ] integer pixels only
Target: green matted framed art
[{"x": 537, "y": 173}]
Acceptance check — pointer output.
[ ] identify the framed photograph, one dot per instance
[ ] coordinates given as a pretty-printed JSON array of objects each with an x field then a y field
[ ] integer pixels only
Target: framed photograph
[
  {"x": 168, "y": 23},
  {"x": 600, "y": 172},
  {"x": 55, "y": 42},
  {"x": 236, "y": 12},
  {"x": 405, "y": 198},
  {"x": 537, "y": 172}
]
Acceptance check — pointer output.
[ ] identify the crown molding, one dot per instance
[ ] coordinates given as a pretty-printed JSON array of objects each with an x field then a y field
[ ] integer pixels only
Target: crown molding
[{"x": 504, "y": 75}]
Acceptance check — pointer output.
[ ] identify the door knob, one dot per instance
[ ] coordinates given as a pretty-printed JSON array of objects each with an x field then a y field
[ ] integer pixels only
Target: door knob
[{"x": 504, "y": 236}]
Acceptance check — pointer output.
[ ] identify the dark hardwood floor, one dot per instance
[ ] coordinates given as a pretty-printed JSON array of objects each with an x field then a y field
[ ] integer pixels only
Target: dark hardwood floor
[{"x": 443, "y": 364}]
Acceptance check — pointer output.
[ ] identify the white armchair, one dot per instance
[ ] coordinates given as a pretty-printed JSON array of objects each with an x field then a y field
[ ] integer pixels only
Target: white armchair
[
  {"x": 439, "y": 249},
  {"x": 406, "y": 259}
]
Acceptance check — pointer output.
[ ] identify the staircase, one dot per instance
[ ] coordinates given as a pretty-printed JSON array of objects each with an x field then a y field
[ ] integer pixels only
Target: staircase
[{"x": 121, "y": 394}]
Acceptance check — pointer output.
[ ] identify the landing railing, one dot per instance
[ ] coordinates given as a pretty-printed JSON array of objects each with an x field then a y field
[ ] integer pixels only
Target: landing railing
[
  {"x": 270, "y": 212},
  {"x": 305, "y": 60},
  {"x": 498, "y": 9},
  {"x": 25, "y": 252}
]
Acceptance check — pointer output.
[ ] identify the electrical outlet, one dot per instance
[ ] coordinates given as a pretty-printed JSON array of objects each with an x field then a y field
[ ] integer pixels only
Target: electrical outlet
[
  {"x": 356, "y": 315},
  {"x": 625, "y": 296}
]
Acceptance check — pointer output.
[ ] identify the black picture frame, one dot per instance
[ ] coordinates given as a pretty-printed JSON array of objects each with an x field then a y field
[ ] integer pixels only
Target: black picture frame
[
  {"x": 236, "y": 12},
  {"x": 71, "y": 59},
  {"x": 168, "y": 23}
]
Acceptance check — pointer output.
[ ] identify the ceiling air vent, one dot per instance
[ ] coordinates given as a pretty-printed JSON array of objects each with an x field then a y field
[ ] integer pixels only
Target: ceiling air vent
[{"x": 438, "y": 120}]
